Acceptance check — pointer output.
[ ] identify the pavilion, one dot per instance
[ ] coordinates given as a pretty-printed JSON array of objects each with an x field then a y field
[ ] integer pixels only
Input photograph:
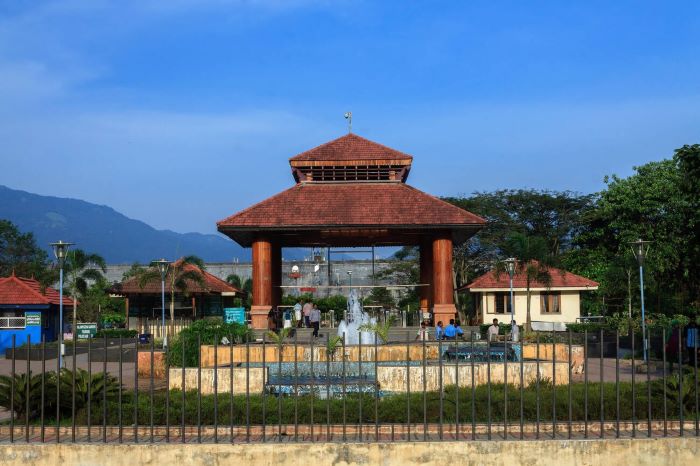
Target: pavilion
[{"x": 352, "y": 192}]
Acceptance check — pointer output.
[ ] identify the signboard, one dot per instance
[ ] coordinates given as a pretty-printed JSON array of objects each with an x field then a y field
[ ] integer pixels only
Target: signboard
[
  {"x": 32, "y": 319},
  {"x": 86, "y": 330},
  {"x": 234, "y": 314}
]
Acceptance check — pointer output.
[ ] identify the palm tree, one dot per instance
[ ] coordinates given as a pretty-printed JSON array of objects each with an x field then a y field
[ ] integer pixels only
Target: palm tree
[
  {"x": 182, "y": 275},
  {"x": 81, "y": 268},
  {"x": 534, "y": 261},
  {"x": 234, "y": 280}
]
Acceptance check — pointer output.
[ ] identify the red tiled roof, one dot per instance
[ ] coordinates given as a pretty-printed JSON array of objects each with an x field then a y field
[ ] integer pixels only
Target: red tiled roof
[
  {"x": 560, "y": 279},
  {"x": 347, "y": 204},
  {"x": 350, "y": 147},
  {"x": 212, "y": 284},
  {"x": 27, "y": 291}
]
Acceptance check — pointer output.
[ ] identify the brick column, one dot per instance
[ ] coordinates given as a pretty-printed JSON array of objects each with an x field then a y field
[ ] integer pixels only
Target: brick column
[
  {"x": 443, "y": 298},
  {"x": 262, "y": 283}
]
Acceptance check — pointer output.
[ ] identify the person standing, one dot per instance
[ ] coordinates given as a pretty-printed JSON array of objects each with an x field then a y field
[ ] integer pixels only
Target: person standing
[
  {"x": 492, "y": 332},
  {"x": 306, "y": 309},
  {"x": 514, "y": 331},
  {"x": 315, "y": 319},
  {"x": 297, "y": 313}
]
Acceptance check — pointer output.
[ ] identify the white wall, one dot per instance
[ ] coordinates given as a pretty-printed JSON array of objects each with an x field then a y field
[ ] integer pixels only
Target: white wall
[{"x": 570, "y": 308}]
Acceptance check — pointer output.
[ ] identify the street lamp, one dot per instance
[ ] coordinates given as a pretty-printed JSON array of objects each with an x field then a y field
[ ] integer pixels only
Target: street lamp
[
  {"x": 60, "y": 250},
  {"x": 350, "y": 276},
  {"x": 162, "y": 265},
  {"x": 640, "y": 249},
  {"x": 510, "y": 268}
]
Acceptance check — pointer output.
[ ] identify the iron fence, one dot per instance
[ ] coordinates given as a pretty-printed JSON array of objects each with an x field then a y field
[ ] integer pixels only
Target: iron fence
[{"x": 550, "y": 386}]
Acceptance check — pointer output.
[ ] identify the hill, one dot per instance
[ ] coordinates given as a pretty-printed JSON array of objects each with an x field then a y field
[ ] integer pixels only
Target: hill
[{"x": 103, "y": 230}]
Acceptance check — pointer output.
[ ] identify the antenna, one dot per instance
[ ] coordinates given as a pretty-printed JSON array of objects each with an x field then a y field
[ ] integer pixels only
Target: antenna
[{"x": 348, "y": 116}]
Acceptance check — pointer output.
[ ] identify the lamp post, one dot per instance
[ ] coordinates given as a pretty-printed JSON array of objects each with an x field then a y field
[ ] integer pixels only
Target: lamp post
[
  {"x": 510, "y": 267},
  {"x": 163, "y": 266},
  {"x": 350, "y": 276},
  {"x": 60, "y": 250},
  {"x": 640, "y": 249}
]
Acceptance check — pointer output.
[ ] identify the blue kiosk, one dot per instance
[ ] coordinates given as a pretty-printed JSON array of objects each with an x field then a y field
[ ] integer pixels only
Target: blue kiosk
[{"x": 28, "y": 310}]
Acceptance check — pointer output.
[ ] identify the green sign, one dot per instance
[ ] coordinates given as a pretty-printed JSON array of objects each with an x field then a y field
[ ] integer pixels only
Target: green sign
[
  {"x": 32, "y": 319},
  {"x": 234, "y": 314},
  {"x": 86, "y": 331}
]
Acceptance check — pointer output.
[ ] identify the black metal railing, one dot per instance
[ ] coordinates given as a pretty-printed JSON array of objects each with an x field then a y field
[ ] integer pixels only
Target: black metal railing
[{"x": 553, "y": 385}]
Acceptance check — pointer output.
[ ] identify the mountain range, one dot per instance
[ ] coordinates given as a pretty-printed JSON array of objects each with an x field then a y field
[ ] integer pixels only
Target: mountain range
[{"x": 102, "y": 230}]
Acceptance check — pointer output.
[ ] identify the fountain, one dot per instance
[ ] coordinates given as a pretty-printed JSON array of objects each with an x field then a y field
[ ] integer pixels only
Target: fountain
[{"x": 354, "y": 320}]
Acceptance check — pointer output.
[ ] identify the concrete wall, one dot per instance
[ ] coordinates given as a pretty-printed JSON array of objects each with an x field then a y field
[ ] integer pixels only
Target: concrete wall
[
  {"x": 655, "y": 452},
  {"x": 257, "y": 377},
  {"x": 254, "y": 353},
  {"x": 391, "y": 352},
  {"x": 570, "y": 307},
  {"x": 393, "y": 378}
]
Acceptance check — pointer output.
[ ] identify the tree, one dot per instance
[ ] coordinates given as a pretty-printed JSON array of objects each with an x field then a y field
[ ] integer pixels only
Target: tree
[
  {"x": 404, "y": 270},
  {"x": 381, "y": 297},
  {"x": 534, "y": 260},
  {"x": 182, "y": 275},
  {"x": 651, "y": 205},
  {"x": 688, "y": 160},
  {"x": 19, "y": 253},
  {"x": 234, "y": 280},
  {"x": 555, "y": 216},
  {"x": 81, "y": 268},
  {"x": 135, "y": 270}
]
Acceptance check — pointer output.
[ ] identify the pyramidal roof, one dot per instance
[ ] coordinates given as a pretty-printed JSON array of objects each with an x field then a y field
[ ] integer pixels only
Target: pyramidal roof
[{"x": 350, "y": 149}]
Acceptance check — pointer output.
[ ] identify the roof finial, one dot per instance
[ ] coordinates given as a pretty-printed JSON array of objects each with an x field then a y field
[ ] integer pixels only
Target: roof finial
[{"x": 348, "y": 116}]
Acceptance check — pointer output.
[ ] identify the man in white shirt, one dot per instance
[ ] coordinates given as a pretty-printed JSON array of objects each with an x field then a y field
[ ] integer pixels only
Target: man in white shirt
[{"x": 492, "y": 333}]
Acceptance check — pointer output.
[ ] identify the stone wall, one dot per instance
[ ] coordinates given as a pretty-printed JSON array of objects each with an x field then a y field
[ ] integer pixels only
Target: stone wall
[
  {"x": 256, "y": 376},
  {"x": 656, "y": 452},
  {"x": 393, "y": 378}
]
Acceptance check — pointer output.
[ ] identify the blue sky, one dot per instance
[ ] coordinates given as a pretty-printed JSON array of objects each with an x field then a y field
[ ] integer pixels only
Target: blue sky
[{"x": 181, "y": 112}]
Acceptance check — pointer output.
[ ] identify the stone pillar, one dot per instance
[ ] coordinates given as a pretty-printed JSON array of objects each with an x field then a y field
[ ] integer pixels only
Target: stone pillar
[
  {"x": 262, "y": 283},
  {"x": 426, "y": 275},
  {"x": 443, "y": 289}
]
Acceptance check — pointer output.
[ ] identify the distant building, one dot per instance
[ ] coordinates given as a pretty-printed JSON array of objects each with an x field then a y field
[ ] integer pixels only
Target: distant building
[
  {"x": 28, "y": 310},
  {"x": 558, "y": 303},
  {"x": 144, "y": 307}
]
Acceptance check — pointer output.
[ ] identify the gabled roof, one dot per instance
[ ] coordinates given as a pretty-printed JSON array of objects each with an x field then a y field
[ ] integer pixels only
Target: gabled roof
[
  {"x": 27, "y": 291},
  {"x": 350, "y": 149},
  {"x": 560, "y": 279},
  {"x": 315, "y": 206},
  {"x": 212, "y": 284}
]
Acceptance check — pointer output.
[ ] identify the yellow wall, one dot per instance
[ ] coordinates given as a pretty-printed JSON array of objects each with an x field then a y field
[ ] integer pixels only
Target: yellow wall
[{"x": 570, "y": 307}]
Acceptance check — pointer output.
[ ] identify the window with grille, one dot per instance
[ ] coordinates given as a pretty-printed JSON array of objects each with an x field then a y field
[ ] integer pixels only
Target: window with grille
[
  {"x": 550, "y": 302},
  {"x": 502, "y": 303}
]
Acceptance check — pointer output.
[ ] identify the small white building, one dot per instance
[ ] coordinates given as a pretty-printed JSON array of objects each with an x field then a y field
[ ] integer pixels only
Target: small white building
[{"x": 559, "y": 303}]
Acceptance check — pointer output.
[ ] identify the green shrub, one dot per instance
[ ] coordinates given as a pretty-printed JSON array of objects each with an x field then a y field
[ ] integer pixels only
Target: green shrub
[
  {"x": 87, "y": 386},
  {"x": 20, "y": 393},
  {"x": 393, "y": 408},
  {"x": 113, "y": 319},
  {"x": 208, "y": 331}
]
